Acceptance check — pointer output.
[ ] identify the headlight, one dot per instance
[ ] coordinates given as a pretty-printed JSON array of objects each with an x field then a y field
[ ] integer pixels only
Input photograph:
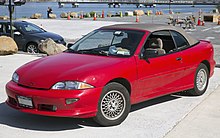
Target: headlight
[
  {"x": 71, "y": 85},
  {"x": 15, "y": 77}
]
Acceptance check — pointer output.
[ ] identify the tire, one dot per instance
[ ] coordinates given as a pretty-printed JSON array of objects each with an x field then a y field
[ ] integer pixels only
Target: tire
[
  {"x": 32, "y": 48},
  {"x": 114, "y": 105},
  {"x": 201, "y": 81}
]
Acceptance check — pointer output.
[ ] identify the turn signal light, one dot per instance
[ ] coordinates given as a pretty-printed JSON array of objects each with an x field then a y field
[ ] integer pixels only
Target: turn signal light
[{"x": 70, "y": 101}]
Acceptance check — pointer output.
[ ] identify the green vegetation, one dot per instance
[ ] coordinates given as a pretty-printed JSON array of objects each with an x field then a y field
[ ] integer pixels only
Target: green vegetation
[{"x": 92, "y": 13}]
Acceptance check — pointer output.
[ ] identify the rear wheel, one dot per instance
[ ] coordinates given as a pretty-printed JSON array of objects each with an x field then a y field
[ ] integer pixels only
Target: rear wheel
[
  {"x": 32, "y": 48},
  {"x": 114, "y": 105},
  {"x": 201, "y": 80}
]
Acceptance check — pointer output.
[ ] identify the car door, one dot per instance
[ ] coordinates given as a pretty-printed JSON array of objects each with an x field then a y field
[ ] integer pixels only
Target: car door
[
  {"x": 18, "y": 36},
  {"x": 189, "y": 58},
  {"x": 161, "y": 74}
]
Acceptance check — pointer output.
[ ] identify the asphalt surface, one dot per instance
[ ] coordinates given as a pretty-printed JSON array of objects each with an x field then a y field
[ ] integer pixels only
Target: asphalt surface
[
  {"x": 167, "y": 116},
  {"x": 202, "y": 122}
]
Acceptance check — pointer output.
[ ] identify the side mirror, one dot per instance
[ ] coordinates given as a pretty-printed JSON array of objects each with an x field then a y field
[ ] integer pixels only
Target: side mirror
[
  {"x": 118, "y": 33},
  {"x": 149, "y": 53},
  {"x": 69, "y": 45},
  {"x": 17, "y": 33}
]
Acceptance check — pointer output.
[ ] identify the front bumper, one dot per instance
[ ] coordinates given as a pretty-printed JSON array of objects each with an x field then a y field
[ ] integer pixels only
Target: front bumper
[{"x": 85, "y": 107}]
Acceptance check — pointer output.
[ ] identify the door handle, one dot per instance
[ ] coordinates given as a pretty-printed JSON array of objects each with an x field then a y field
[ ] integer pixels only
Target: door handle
[{"x": 179, "y": 58}]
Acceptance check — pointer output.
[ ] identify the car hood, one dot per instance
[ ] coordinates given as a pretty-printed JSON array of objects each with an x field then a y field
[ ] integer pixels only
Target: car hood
[
  {"x": 45, "y": 35},
  {"x": 45, "y": 72}
]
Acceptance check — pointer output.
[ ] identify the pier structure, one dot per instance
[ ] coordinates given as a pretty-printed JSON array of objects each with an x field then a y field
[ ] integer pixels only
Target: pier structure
[
  {"x": 138, "y": 3},
  {"x": 111, "y": 3}
]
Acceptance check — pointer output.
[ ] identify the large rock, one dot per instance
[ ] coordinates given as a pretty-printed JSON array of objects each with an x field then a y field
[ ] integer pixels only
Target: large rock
[
  {"x": 138, "y": 12},
  {"x": 36, "y": 16},
  {"x": 129, "y": 13},
  {"x": 52, "y": 16},
  {"x": 7, "y": 46},
  {"x": 63, "y": 15},
  {"x": 74, "y": 14},
  {"x": 4, "y": 17},
  {"x": 109, "y": 14},
  {"x": 50, "y": 47}
]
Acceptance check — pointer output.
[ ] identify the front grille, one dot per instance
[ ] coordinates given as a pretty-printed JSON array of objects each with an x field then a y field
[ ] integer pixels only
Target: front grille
[
  {"x": 46, "y": 107},
  {"x": 32, "y": 87}
]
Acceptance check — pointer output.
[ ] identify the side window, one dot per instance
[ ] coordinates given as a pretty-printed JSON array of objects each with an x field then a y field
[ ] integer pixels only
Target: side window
[
  {"x": 9, "y": 29},
  {"x": 161, "y": 41},
  {"x": 2, "y": 28},
  {"x": 180, "y": 41}
]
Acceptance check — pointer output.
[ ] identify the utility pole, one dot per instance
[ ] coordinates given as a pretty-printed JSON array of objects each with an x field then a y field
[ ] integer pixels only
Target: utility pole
[
  {"x": 170, "y": 12},
  {"x": 10, "y": 8}
]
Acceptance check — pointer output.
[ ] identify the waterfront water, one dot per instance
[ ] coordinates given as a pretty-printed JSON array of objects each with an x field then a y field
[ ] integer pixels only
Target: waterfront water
[{"x": 41, "y": 7}]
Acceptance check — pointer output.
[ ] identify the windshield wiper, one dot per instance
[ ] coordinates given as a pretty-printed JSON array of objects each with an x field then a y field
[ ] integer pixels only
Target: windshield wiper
[
  {"x": 87, "y": 51},
  {"x": 93, "y": 52},
  {"x": 70, "y": 51}
]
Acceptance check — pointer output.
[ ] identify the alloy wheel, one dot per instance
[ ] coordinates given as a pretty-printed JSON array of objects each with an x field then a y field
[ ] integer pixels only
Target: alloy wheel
[
  {"x": 32, "y": 49},
  {"x": 113, "y": 105},
  {"x": 201, "y": 79}
]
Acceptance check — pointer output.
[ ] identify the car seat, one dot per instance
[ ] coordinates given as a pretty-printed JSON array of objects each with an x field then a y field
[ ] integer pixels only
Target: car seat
[{"x": 157, "y": 44}]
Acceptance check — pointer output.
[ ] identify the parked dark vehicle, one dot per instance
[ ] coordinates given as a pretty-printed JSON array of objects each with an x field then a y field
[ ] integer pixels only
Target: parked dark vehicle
[
  {"x": 2, "y": 2},
  {"x": 28, "y": 35},
  {"x": 19, "y": 2}
]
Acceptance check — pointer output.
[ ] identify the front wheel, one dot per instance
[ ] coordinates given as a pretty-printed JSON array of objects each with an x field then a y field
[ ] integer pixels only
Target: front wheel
[
  {"x": 32, "y": 48},
  {"x": 114, "y": 105},
  {"x": 201, "y": 81}
]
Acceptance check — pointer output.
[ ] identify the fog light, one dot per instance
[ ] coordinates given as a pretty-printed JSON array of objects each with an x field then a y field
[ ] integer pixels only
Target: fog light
[{"x": 70, "y": 101}]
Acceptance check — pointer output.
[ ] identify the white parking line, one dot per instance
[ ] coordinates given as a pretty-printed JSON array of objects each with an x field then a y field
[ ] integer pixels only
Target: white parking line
[
  {"x": 218, "y": 31},
  {"x": 209, "y": 38},
  {"x": 206, "y": 29},
  {"x": 216, "y": 27}
]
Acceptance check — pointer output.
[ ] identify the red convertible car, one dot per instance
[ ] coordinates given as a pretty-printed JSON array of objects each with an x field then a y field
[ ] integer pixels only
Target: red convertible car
[{"x": 111, "y": 68}]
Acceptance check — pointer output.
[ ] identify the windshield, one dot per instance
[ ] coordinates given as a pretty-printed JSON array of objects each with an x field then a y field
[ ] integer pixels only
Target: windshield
[
  {"x": 108, "y": 42},
  {"x": 30, "y": 28}
]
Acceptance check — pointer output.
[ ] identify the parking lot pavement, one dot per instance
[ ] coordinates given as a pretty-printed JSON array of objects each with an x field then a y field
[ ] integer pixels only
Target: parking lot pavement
[
  {"x": 202, "y": 122},
  {"x": 150, "y": 119},
  {"x": 211, "y": 32}
]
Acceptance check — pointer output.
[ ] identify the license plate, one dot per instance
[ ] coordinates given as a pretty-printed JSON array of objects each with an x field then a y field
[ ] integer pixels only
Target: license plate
[{"x": 25, "y": 101}]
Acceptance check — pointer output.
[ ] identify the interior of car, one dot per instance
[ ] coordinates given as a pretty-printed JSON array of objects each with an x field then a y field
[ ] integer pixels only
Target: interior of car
[{"x": 161, "y": 41}]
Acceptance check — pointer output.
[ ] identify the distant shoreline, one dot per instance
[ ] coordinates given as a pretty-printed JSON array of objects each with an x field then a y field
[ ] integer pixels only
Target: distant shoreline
[
  {"x": 41, "y": 0},
  {"x": 32, "y": 7}
]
